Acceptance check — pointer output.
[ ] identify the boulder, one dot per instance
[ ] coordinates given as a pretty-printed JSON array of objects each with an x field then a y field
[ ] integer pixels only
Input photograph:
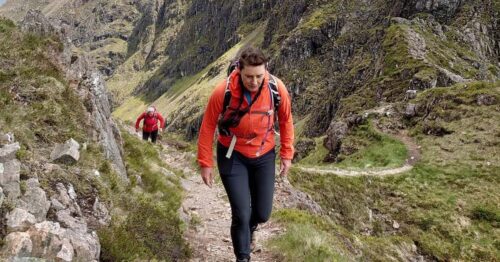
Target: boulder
[
  {"x": 410, "y": 94},
  {"x": 8, "y": 152},
  {"x": 66, "y": 199},
  {"x": 86, "y": 246},
  {"x": 66, "y": 153},
  {"x": 6, "y": 139},
  {"x": 47, "y": 239},
  {"x": 9, "y": 178},
  {"x": 68, "y": 221},
  {"x": 67, "y": 252},
  {"x": 335, "y": 134},
  {"x": 17, "y": 244},
  {"x": 19, "y": 220},
  {"x": 35, "y": 200},
  {"x": 411, "y": 110}
]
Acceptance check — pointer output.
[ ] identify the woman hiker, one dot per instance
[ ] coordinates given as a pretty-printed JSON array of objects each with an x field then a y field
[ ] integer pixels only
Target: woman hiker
[{"x": 255, "y": 99}]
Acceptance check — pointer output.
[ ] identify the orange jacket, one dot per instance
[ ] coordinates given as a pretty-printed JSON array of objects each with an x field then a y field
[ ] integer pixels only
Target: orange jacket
[{"x": 253, "y": 126}]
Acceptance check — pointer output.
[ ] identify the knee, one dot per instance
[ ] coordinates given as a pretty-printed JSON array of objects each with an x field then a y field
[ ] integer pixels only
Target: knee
[
  {"x": 241, "y": 218},
  {"x": 262, "y": 217}
]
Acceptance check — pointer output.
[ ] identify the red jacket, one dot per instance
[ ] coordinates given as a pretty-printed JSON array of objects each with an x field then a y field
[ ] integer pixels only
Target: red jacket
[
  {"x": 251, "y": 131},
  {"x": 150, "y": 122}
]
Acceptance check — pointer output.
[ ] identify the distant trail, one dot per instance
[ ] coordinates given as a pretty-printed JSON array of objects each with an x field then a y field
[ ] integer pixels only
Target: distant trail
[{"x": 413, "y": 157}]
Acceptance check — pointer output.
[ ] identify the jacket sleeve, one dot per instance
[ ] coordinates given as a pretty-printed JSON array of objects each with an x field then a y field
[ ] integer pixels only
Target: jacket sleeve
[
  {"x": 286, "y": 123},
  {"x": 162, "y": 120},
  {"x": 208, "y": 125},
  {"x": 138, "y": 121}
]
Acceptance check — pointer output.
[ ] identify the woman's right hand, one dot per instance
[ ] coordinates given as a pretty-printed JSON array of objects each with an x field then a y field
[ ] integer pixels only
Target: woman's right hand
[{"x": 207, "y": 175}]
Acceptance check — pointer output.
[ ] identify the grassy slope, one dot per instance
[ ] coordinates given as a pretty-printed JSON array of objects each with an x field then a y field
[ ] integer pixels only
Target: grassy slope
[
  {"x": 146, "y": 223},
  {"x": 189, "y": 92},
  {"x": 447, "y": 205}
]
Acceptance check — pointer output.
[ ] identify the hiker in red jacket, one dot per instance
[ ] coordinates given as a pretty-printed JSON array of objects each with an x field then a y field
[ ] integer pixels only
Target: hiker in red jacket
[{"x": 150, "y": 125}]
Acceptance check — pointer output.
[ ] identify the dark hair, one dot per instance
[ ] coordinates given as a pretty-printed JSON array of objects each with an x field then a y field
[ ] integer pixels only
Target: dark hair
[{"x": 252, "y": 56}]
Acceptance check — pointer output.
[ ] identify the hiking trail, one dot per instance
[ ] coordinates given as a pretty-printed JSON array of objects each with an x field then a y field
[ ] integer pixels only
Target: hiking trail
[
  {"x": 208, "y": 213},
  {"x": 401, "y": 135}
]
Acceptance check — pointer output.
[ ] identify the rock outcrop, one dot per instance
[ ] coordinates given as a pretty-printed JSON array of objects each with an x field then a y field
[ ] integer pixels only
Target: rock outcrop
[
  {"x": 67, "y": 153},
  {"x": 90, "y": 86}
]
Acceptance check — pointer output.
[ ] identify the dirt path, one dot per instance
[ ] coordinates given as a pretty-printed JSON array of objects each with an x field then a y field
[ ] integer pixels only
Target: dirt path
[
  {"x": 413, "y": 157},
  {"x": 208, "y": 215},
  {"x": 208, "y": 233}
]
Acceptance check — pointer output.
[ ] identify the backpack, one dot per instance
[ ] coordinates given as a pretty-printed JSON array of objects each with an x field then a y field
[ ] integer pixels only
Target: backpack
[{"x": 273, "y": 88}]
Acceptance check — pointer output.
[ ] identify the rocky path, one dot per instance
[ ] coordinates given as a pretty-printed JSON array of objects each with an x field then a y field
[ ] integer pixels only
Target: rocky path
[
  {"x": 413, "y": 157},
  {"x": 209, "y": 216}
]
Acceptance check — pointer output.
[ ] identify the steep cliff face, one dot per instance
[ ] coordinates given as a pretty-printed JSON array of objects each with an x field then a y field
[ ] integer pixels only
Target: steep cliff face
[
  {"x": 52, "y": 205},
  {"x": 62, "y": 170}
]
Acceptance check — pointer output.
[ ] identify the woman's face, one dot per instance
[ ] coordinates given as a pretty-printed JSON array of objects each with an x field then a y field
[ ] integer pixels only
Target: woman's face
[{"x": 253, "y": 76}]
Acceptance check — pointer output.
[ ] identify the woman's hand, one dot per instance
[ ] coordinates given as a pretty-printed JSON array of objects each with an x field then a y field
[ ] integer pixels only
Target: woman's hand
[
  {"x": 207, "y": 175},
  {"x": 285, "y": 166}
]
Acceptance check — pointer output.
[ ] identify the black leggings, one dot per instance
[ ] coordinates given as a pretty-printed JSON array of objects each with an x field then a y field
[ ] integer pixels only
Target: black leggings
[
  {"x": 249, "y": 183},
  {"x": 153, "y": 135}
]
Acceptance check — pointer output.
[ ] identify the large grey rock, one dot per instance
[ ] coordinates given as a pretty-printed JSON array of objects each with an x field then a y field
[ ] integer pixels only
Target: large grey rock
[
  {"x": 68, "y": 221},
  {"x": 56, "y": 204},
  {"x": 8, "y": 152},
  {"x": 66, "y": 153},
  {"x": 67, "y": 252},
  {"x": 19, "y": 220},
  {"x": 6, "y": 139},
  {"x": 9, "y": 178},
  {"x": 64, "y": 200},
  {"x": 35, "y": 200},
  {"x": 335, "y": 134},
  {"x": 109, "y": 135},
  {"x": 17, "y": 244},
  {"x": 47, "y": 239},
  {"x": 411, "y": 110},
  {"x": 87, "y": 246}
]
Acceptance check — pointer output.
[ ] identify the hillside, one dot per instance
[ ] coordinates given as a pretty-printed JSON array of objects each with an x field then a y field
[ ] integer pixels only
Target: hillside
[{"x": 69, "y": 182}]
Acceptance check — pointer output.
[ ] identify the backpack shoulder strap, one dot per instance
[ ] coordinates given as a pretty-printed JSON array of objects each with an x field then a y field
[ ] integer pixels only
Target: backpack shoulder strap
[
  {"x": 227, "y": 96},
  {"x": 273, "y": 87}
]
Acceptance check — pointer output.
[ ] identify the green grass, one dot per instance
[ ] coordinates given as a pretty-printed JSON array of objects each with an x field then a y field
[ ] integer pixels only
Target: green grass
[
  {"x": 375, "y": 150},
  {"x": 307, "y": 238},
  {"x": 364, "y": 148},
  {"x": 447, "y": 205},
  {"x": 151, "y": 227}
]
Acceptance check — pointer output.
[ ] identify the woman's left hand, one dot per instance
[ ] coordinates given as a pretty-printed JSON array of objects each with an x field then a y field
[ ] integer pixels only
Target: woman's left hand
[{"x": 285, "y": 166}]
